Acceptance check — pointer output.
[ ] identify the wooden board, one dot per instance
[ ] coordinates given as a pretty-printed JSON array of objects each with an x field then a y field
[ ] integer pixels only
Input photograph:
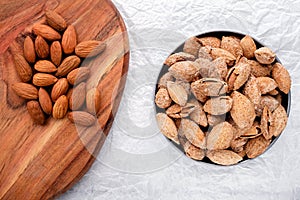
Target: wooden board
[{"x": 41, "y": 162}]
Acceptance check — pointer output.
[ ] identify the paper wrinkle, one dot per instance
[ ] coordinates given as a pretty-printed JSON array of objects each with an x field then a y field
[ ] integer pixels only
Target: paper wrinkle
[{"x": 137, "y": 162}]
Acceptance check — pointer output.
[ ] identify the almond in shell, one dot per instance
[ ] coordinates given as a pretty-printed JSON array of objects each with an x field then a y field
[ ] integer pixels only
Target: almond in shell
[
  {"x": 45, "y": 101},
  {"x": 232, "y": 45},
  {"x": 220, "y": 136},
  {"x": 248, "y": 45},
  {"x": 224, "y": 157},
  {"x": 193, "y": 152},
  {"x": 259, "y": 70},
  {"x": 177, "y": 93},
  {"x": 42, "y": 79},
  {"x": 265, "y": 122},
  {"x": 46, "y": 32},
  {"x": 191, "y": 46},
  {"x": 69, "y": 40},
  {"x": 218, "y": 52},
  {"x": 25, "y": 90},
  {"x": 90, "y": 48},
  {"x": 81, "y": 118},
  {"x": 242, "y": 111},
  {"x": 210, "y": 42},
  {"x": 23, "y": 68},
  {"x": 209, "y": 87},
  {"x": 213, "y": 120},
  {"x": 266, "y": 84},
  {"x": 60, "y": 107},
  {"x": 55, "y": 20},
  {"x": 264, "y": 55},
  {"x": 167, "y": 126},
  {"x": 29, "y": 50},
  {"x": 164, "y": 79},
  {"x": 278, "y": 121},
  {"x": 35, "y": 112},
  {"x": 198, "y": 115},
  {"x": 256, "y": 146},
  {"x": 185, "y": 70},
  {"x": 218, "y": 105},
  {"x": 252, "y": 90},
  {"x": 177, "y": 57},
  {"x": 192, "y": 132},
  {"x": 282, "y": 77},
  {"x": 238, "y": 75},
  {"x": 162, "y": 98}
]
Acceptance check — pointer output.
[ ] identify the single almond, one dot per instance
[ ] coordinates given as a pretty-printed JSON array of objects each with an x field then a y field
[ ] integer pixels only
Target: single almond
[
  {"x": 23, "y": 68},
  {"x": 78, "y": 75},
  {"x": 45, "y": 101},
  {"x": 76, "y": 96},
  {"x": 41, "y": 47},
  {"x": 82, "y": 118},
  {"x": 67, "y": 65},
  {"x": 25, "y": 90},
  {"x": 60, "y": 88},
  {"x": 29, "y": 50},
  {"x": 35, "y": 112},
  {"x": 41, "y": 79},
  {"x": 45, "y": 66},
  {"x": 56, "y": 53},
  {"x": 69, "y": 40},
  {"x": 89, "y": 48},
  {"x": 93, "y": 101},
  {"x": 60, "y": 107},
  {"x": 55, "y": 20},
  {"x": 46, "y": 32}
]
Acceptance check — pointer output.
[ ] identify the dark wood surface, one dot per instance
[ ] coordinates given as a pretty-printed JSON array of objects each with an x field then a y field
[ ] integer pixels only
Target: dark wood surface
[{"x": 41, "y": 162}]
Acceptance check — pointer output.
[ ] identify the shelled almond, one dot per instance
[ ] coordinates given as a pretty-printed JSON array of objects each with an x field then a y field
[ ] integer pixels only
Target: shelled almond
[
  {"x": 53, "y": 81},
  {"x": 227, "y": 106}
]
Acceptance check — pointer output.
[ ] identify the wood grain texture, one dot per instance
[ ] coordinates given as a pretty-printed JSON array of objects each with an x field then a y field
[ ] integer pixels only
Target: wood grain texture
[{"x": 41, "y": 162}]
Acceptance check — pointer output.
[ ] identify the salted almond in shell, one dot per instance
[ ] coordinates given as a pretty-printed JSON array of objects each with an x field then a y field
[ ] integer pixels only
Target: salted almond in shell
[
  {"x": 55, "y": 20},
  {"x": 162, "y": 98},
  {"x": 162, "y": 83},
  {"x": 177, "y": 57},
  {"x": 60, "y": 88},
  {"x": 60, "y": 107},
  {"x": 264, "y": 123},
  {"x": 278, "y": 121},
  {"x": 193, "y": 152},
  {"x": 46, "y": 32},
  {"x": 174, "y": 111},
  {"x": 242, "y": 111},
  {"x": 220, "y": 136},
  {"x": 177, "y": 93},
  {"x": 238, "y": 75},
  {"x": 45, "y": 66},
  {"x": 256, "y": 146},
  {"x": 248, "y": 45},
  {"x": 185, "y": 70},
  {"x": 167, "y": 126},
  {"x": 198, "y": 115},
  {"x": 237, "y": 144},
  {"x": 42, "y": 79},
  {"x": 56, "y": 53},
  {"x": 90, "y": 48},
  {"x": 81, "y": 118},
  {"x": 218, "y": 52},
  {"x": 69, "y": 40},
  {"x": 210, "y": 42},
  {"x": 209, "y": 87},
  {"x": 264, "y": 55},
  {"x": 224, "y": 157},
  {"x": 282, "y": 77},
  {"x": 35, "y": 112},
  {"x": 252, "y": 90},
  {"x": 232, "y": 45},
  {"x": 266, "y": 84},
  {"x": 266, "y": 101},
  {"x": 67, "y": 65},
  {"x": 23, "y": 68},
  {"x": 204, "y": 52},
  {"x": 213, "y": 120},
  {"x": 259, "y": 70},
  {"x": 41, "y": 47},
  {"x": 29, "y": 50},
  {"x": 218, "y": 105},
  {"x": 45, "y": 101},
  {"x": 25, "y": 90},
  {"x": 192, "y": 132},
  {"x": 191, "y": 46}
]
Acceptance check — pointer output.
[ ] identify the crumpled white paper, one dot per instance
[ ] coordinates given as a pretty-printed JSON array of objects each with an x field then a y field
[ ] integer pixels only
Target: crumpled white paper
[{"x": 137, "y": 162}]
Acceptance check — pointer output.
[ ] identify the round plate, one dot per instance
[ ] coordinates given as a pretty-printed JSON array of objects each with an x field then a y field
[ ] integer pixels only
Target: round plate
[{"x": 40, "y": 162}]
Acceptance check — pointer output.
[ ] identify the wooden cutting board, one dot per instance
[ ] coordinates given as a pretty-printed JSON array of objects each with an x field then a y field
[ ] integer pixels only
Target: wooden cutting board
[{"x": 41, "y": 162}]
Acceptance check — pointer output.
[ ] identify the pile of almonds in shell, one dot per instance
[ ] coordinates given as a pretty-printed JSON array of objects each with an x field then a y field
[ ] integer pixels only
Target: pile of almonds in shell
[
  {"x": 52, "y": 80},
  {"x": 221, "y": 98}
]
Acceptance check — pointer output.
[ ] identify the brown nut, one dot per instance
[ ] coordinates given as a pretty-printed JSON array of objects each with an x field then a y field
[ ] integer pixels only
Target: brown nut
[
  {"x": 191, "y": 46},
  {"x": 210, "y": 42},
  {"x": 177, "y": 93},
  {"x": 232, "y": 45},
  {"x": 218, "y": 105},
  {"x": 220, "y": 136},
  {"x": 266, "y": 84},
  {"x": 209, "y": 87},
  {"x": 282, "y": 77},
  {"x": 264, "y": 55},
  {"x": 167, "y": 126},
  {"x": 185, "y": 70},
  {"x": 248, "y": 45},
  {"x": 162, "y": 98},
  {"x": 238, "y": 75},
  {"x": 177, "y": 57}
]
